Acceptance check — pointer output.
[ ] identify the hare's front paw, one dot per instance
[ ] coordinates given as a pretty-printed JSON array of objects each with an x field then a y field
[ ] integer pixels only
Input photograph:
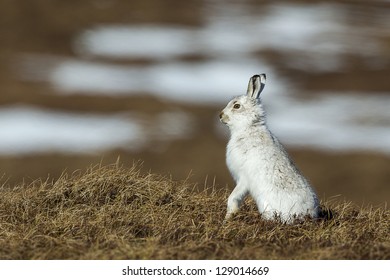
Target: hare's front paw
[
  {"x": 230, "y": 211},
  {"x": 234, "y": 201}
]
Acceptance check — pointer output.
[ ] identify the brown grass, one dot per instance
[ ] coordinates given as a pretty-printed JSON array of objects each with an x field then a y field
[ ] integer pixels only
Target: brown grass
[{"x": 116, "y": 213}]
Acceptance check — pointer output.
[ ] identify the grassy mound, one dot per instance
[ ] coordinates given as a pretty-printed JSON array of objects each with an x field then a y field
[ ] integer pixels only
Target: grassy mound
[{"x": 116, "y": 213}]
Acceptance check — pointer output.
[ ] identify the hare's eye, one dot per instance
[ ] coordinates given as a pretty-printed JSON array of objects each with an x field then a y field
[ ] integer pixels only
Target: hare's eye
[{"x": 236, "y": 106}]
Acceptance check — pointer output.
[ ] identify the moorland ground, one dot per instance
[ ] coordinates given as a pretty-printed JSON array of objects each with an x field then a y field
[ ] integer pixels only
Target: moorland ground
[{"x": 116, "y": 213}]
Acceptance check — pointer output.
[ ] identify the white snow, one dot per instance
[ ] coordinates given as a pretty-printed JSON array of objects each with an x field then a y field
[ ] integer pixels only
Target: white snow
[
  {"x": 25, "y": 130},
  {"x": 334, "y": 122},
  {"x": 150, "y": 41}
]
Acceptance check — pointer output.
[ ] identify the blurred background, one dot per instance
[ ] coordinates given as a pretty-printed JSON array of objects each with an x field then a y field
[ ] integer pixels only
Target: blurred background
[{"x": 86, "y": 82}]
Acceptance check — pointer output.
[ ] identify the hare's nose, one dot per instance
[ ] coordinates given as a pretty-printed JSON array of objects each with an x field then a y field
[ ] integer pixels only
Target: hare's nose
[{"x": 221, "y": 115}]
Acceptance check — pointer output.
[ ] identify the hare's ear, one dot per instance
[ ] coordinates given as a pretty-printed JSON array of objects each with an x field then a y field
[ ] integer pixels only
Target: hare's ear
[{"x": 256, "y": 85}]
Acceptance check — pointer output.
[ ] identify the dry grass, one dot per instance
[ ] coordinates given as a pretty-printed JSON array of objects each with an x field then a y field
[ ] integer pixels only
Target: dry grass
[{"x": 116, "y": 213}]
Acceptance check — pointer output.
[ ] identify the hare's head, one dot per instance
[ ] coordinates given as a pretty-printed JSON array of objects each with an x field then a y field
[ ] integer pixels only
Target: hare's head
[{"x": 246, "y": 110}]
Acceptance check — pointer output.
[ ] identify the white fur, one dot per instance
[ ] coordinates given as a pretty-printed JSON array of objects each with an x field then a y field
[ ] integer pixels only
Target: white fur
[{"x": 260, "y": 165}]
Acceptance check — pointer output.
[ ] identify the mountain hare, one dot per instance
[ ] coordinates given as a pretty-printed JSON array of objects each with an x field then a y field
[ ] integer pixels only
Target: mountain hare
[{"x": 260, "y": 165}]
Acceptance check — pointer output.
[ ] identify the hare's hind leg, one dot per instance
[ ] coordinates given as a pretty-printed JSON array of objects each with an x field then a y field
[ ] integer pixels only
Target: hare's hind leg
[{"x": 235, "y": 199}]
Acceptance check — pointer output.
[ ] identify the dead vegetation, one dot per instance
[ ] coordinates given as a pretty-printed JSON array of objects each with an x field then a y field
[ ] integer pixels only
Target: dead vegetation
[{"x": 116, "y": 213}]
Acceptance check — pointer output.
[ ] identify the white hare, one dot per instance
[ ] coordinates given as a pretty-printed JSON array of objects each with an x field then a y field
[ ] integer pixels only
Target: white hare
[{"x": 260, "y": 165}]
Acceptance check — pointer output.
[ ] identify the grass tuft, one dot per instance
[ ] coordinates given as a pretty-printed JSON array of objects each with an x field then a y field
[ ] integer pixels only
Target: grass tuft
[{"x": 116, "y": 213}]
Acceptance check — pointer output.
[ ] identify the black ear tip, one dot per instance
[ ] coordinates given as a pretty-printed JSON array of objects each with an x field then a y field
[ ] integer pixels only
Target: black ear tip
[{"x": 257, "y": 76}]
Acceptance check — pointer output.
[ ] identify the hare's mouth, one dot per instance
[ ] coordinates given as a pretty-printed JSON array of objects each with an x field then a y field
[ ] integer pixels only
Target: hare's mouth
[{"x": 223, "y": 118}]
